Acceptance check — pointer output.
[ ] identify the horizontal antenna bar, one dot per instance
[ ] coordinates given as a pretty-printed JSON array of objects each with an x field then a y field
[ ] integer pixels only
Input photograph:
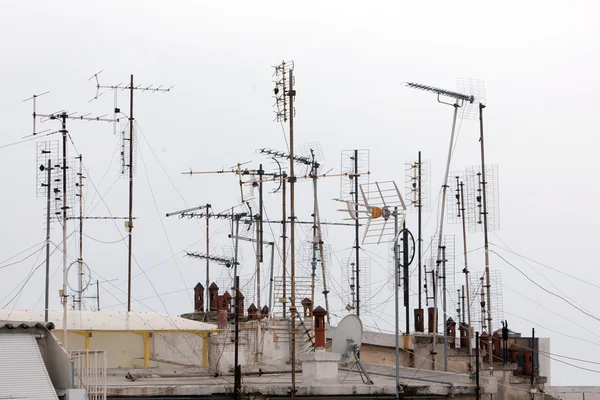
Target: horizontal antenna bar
[
  {"x": 188, "y": 210},
  {"x": 447, "y": 93}
]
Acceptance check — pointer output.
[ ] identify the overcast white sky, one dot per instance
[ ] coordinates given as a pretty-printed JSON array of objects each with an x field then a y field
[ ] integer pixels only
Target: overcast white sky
[{"x": 539, "y": 61}]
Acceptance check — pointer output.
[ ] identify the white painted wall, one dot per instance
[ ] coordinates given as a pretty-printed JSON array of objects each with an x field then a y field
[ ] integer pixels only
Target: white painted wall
[{"x": 183, "y": 349}]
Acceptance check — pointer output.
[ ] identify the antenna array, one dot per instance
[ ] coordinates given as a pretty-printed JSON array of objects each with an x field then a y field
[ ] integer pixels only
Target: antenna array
[
  {"x": 281, "y": 95},
  {"x": 125, "y": 135},
  {"x": 476, "y": 283},
  {"x": 411, "y": 186},
  {"x": 349, "y": 291},
  {"x": 474, "y": 189},
  {"x": 449, "y": 242},
  {"x": 46, "y": 150},
  {"x": 348, "y": 171},
  {"x": 475, "y": 88}
]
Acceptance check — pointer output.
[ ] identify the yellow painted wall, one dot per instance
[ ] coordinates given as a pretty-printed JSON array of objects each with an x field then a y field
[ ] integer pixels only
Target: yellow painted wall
[{"x": 123, "y": 349}]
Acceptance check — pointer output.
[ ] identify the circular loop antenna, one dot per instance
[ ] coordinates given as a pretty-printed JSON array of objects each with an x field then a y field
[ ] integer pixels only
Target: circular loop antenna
[
  {"x": 347, "y": 334},
  {"x": 87, "y": 275}
]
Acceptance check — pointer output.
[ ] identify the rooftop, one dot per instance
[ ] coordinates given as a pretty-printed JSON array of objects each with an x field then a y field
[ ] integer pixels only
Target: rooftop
[{"x": 107, "y": 320}]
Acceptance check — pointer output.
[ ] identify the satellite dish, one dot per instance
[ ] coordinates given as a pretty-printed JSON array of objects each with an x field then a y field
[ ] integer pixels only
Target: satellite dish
[{"x": 347, "y": 337}]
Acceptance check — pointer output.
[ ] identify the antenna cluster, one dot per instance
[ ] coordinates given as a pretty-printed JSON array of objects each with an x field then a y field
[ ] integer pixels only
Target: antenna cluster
[{"x": 283, "y": 91}]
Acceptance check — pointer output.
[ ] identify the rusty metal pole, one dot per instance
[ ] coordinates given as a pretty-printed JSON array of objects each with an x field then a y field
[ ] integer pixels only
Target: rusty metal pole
[
  {"x": 48, "y": 194},
  {"x": 130, "y": 220},
  {"x": 284, "y": 243},
  {"x": 292, "y": 178},
  {"x": 356, "y": 233},
  {"x": 207, "y": 306},
  {"x": 485, "y": 227},
  {"x": 237, "y": 393},
  {"x": 80, "y": 260},
  {"x": 65, "y": 297},
  {"x": 461, "y": 188}
]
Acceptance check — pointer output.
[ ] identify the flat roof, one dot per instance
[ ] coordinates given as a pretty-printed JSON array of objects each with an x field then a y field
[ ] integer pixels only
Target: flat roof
[{"x": 109, "y": 320}]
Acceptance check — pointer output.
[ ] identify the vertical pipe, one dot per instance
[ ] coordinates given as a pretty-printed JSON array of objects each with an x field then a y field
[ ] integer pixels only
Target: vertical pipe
[
  {"x": 419, "y": 211},
  {"x": 396, "y": 301},
  {"x": 284, "y": 243},
  {"x": 130, "y": 220},
  {"x": 477, "y": 388},
  {"x": 405, "y": 272},
  {"x": 292, "y": 93},
  {"x": 271, "y": 278},
  {"x": 98, "y": 295},
  {"x": 207, "y": 305},
  {"x": 80, "y": 260},
  {"x": 258, "y": 245},
  {"x": 237, "y": 369},
  {"x": 356, "y": 233},
  {"x": 313, "y": 263},
  {"x": 64, "y": 223},
  {"x": 48, "y": 194},
  {"x": 260, "y": 211},
  {"x": 444, "y": 307},
  {"x": 461, "y": 188},
  {"x": 462, "y": 297},
  {"x": 441, "y": 227},
  {"x": 533, "y": 351},
  {"x": 485, "y": 226}
]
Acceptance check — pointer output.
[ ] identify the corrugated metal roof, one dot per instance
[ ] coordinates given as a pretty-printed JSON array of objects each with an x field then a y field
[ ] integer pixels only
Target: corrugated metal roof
[
  {"x": 23, "y": 374},
  {"x": 25, "y": 325},
  {"x": 108, "y": 320}
]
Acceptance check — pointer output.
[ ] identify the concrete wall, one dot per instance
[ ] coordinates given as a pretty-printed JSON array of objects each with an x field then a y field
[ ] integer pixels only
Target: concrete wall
[
  {"x": 178, "y": 349},
  {"x": 574, "y": 392}
]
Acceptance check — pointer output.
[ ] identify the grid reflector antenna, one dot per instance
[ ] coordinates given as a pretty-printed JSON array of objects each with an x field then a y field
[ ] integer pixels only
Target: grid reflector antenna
[
  {"x": 474, "y": 198},
  {"x": 411, "y": 186},
  {"x": 46, "y": 150},
  {"x": 449, "y": 242},
  {"x": 497, "y": 300},
  {"x": 475, "y": 88},
  {"x": 349, "y": 290},
  {"x": 57, "y": 187},
  {"x": 281, "y": 90},
  {"x": 380, "y": 199},
  {"x": 348, "y": 167},
  {"x": 124, "y": 156}
]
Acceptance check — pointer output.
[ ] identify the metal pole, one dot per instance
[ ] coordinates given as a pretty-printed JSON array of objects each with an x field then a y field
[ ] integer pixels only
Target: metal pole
[
  {"x": 419, "y": 239},
  {"x": 284, "y": 244},
  {"x": 462, "y": 297},
  {"x": 207, "y": 306},
  {"x": 356, "y": 233},
  {"x": 292, "y": 93},
  {"x": 396, "y": 301},
  {"x": 315, "y": 239},
  {"x": 445, "y": 323},
  {"x": 48, "y": 194},
  {"x": 477, "y": 388},
  {"x": 532, "y": 355},
  {"x": 271, "y": 278},
  {"x": 260, "y": 212},
  {"x": 466, "y": 269},
  {"x": 485, "y": 227},
  {"x": 80, "y": 260},
  {"x": 64, "y": 226},
  {"x": 98, "y": 295},
  {"x": 441, "y": 228},
  {"x": 405, "y": 272},
  {"x": 130, "y": 220},
  {"x": 237, "y": 368},
  {"x": 322, "y": 255}
]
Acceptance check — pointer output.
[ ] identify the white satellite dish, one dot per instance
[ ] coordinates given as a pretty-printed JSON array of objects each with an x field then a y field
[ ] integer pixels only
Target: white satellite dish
[{"x": 347, "y": 340}]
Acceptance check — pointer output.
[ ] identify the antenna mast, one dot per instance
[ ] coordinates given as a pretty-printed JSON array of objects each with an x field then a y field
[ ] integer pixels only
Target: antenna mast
[{"x": 129, "y": 222}]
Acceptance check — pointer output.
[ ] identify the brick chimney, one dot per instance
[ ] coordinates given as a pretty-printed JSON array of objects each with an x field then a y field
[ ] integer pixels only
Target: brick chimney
[
  {"x": 319, "y": 314},
  {"x": 213, "y": 291},
  {"x": 199, "y": 298}
]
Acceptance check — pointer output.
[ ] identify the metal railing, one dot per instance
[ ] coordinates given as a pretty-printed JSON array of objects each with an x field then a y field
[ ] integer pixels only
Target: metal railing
[{"x": 89, "y": 372}]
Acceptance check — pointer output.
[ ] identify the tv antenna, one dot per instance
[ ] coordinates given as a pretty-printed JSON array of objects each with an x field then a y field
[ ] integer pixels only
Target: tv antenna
[
  {"x": 312, "y": 158},
  {"x": 62, "y": 117},
  {"x": 131, "y": 138},
  {"x": 346, "y": 342},
  {"x": 417, "y": 192},
  {"x": 456, "y": 100}
]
